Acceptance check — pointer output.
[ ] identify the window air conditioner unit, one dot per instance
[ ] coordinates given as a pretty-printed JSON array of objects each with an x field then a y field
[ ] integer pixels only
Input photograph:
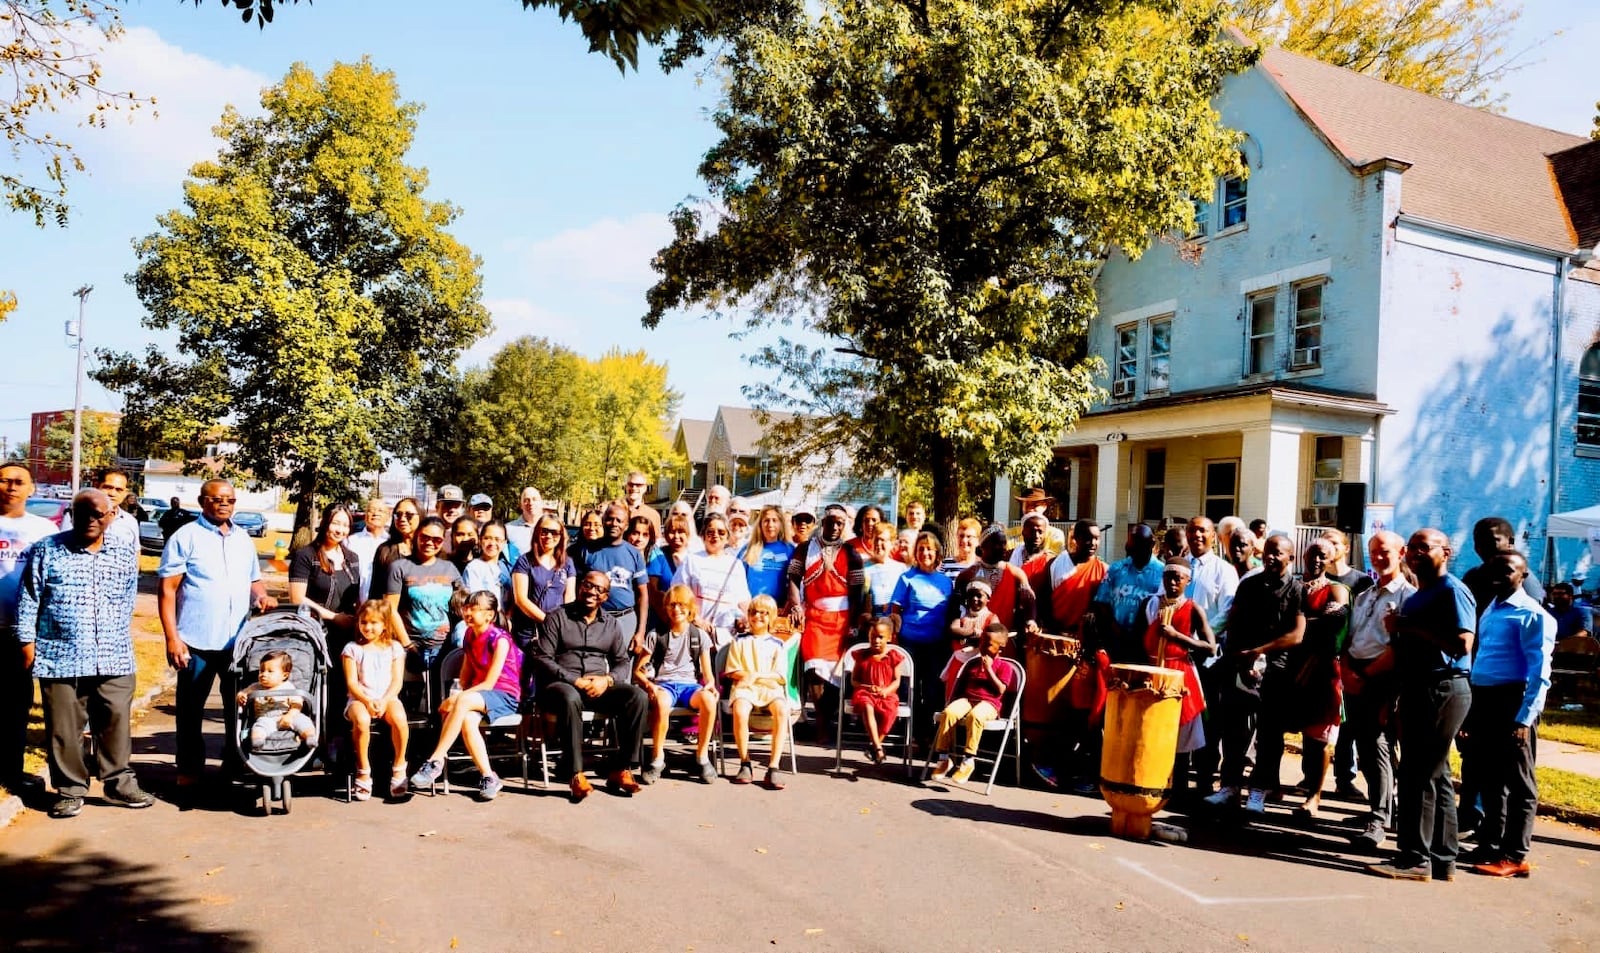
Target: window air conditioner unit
[
  {"x": 1306, "y": 357},
  {"x": 1122, "y": 388}
]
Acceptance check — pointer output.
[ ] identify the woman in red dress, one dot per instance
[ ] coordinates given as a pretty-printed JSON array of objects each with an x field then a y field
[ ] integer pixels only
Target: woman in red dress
[
  {"x": 1177, "y": 629},
  {"x": 875, "y": 683}
]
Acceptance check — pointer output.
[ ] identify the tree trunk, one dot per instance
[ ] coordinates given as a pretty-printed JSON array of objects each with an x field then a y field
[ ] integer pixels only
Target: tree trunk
[
  {"x": 946, "y": 486},
  {"x": 305, "y": 511}
]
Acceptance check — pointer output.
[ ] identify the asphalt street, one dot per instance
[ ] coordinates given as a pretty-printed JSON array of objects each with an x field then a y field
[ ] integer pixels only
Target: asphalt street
[{"x": 861, "y": 862}]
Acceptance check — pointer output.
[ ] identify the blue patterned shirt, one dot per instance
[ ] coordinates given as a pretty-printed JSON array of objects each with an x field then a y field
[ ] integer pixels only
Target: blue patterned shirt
[
  {"x": 76, "y": 605},
  {"x": 1126, "y": 587}
]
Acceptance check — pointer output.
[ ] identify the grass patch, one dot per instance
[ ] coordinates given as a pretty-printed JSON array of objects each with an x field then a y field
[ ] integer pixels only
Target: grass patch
[
  {"x": 1573, "y": 727},
  {"x": 1567, "y": 791}
]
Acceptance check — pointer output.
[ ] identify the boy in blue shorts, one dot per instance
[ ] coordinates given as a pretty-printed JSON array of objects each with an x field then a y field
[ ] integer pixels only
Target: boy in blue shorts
[{"x": 675, "y": 672}]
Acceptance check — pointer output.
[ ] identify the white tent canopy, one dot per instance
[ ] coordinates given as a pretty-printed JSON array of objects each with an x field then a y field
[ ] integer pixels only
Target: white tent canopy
[{"x": 1574, "y": 524}]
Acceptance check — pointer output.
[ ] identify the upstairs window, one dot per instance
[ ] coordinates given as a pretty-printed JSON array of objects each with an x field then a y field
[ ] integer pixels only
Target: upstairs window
[
  {"x": 1589, "y": 403},
  {"x": 1202, "y": 219},
  {"x": 1263, "y": 330},
  {"x": 767, "y": 476},
  {"x": 1159, "y": 378},
  {"x": 1234, "y": 193},
  {"x": 1127, "y": 369},
  {"x": 1307, "y": 327}
]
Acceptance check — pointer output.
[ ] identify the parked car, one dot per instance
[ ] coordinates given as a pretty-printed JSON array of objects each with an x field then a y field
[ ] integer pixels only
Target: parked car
[
  {"x": 251, "y": 522},
  {"x": 48, "y": 507},
  {"x": 151, "y": 538}
]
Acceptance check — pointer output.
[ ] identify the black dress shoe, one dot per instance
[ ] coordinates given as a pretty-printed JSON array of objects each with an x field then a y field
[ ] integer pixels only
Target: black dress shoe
[{"x": 66, "y": 806}]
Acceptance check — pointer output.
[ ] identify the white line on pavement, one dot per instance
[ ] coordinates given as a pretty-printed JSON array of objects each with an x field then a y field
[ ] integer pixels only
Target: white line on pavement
[{"x": 1218, "y": 901}]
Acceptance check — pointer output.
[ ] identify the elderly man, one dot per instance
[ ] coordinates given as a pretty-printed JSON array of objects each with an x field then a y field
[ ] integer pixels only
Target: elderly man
[
  {"x": 19, "y": 531},
  {"x": 633, "y": 493},
  {"x": 210, "y": 580},
  {"x": 1510, "y": 677},
  {"x": 114, "y": 484},
  {"x": 74, "y": 620},
  {"x": 1431, "y": 638},
  {"x": 519, "y": 532},
  {"x": 374, "y": 534},
  {"x": 581, "y": 657},
  {"x": 1013, "y": 600},
  {"x": 1369, "y": 686},
  {"x": 1266, "y": 620},
  {"x": 717, "y": 499}
]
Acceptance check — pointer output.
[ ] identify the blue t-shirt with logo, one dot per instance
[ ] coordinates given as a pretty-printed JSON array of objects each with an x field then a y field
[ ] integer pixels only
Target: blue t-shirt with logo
[
  {"x": 767, "y": 577},
  {"x": 624, "y": 565}
]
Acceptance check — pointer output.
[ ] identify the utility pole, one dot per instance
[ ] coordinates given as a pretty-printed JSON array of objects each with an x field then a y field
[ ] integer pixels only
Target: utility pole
[{"x": 82, "y": 294}]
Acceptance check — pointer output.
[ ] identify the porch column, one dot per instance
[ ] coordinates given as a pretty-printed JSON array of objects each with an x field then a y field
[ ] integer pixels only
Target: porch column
[
  {"x": 1002, "y": 500},
  {"x": 1269, "y": 477},
  {"x": 1367, "y": 467},
  {"x": 1107, "y": 486},
  {"x": 1069, "y": 506}
]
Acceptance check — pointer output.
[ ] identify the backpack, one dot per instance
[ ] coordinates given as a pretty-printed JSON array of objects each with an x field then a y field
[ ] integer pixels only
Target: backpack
[{"x": 658, "y": 652}]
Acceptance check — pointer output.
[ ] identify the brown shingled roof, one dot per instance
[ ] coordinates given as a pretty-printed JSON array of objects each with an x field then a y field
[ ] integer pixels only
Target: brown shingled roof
[
  {"x": 1469, "y": 168},
  {"x": 1577, "y": 173},
  {"x": 745, "y": 430},
  {"x": 696, "y": 435}
]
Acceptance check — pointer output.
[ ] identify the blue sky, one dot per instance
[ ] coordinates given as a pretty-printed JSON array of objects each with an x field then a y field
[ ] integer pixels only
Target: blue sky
[{"x": 564, "y": 170}]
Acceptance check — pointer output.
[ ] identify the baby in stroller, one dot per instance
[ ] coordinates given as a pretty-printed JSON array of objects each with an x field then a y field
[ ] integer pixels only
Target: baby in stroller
[{"x": 276, "y": 704}]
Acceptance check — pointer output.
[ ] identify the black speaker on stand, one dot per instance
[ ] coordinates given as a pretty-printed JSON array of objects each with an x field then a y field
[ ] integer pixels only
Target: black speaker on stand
[{"x": 1352, "y": 507}]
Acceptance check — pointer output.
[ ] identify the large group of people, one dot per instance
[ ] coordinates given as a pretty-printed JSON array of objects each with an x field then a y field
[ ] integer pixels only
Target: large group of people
[{"x": 1380, "y": 671}]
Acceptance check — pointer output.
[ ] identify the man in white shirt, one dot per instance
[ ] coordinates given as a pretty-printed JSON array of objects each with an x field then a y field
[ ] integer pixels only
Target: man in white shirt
[
  {"x": 1370, "y": 690},
  {"x": 365, "y": 543},
  {"x": 519, "y": 532},
  {"x": 19, "y": 530},
  {"x": 1212, "y": 583}
]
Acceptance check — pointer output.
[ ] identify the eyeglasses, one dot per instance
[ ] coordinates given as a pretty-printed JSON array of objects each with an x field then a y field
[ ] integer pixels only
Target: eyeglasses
[
  {"x": 637, "y": 486},
  {"x": 429, "y": 539},
  {"x": 219, "y": 500},
  {"x": 715, "y": 532},
  {"x": 405, "y": 515},
  {"x": 97, "y": 517}
]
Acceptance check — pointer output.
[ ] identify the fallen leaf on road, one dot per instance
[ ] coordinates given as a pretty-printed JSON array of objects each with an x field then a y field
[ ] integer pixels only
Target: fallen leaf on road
[
  {"x": 1119, "y": 904},
  {"x": 1243, "y": 938},
  {"x": 708, "y": 826},
  {"x": 216, "y": 870},
  {"x": 556, "y": 933},
  {"x": 762, "y": 850},
  {"x": 217, "y": 899},
  {"x": 1097, "y": 847},
  {"x": 813, "y": 931},
  {"x": 427, "y": 833},
  {"x": 454, "y": 943},
  {"x": 866, "y": 810}
]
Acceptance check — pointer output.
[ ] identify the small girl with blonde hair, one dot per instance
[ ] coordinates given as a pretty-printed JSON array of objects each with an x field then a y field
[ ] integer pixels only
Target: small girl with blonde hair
[{"x": 374, "y": 665}]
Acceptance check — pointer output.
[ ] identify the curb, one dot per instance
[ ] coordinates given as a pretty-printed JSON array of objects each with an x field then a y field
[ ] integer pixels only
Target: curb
[{"x": 12, "y": 807}]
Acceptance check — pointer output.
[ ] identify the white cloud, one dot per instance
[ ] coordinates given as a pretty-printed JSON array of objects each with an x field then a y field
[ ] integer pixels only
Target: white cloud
[
  {"x": 515, "y": 318},
  {"x": 610, "y": 255},
  {"x": 158, "y": 144}
]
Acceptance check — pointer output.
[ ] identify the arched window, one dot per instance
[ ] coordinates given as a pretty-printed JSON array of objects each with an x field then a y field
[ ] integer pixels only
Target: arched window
[{"x": 1589, "y": 403}]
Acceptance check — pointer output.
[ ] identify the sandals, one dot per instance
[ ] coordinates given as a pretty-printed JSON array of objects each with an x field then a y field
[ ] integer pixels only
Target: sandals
[
  {"x": 361, "y": 788},
  {"x": 398, "y": 785},
  {"x": 878, "y": 755}
]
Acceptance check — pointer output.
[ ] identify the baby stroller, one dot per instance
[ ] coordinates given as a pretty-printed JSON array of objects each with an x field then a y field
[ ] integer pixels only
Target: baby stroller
[{"x": 282, "y": 753}]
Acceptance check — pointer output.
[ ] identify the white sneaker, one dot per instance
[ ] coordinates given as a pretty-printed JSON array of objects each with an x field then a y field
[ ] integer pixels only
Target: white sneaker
[
  {"x": 1224, "y": 797},
  {"x": 1258, "y": 802}
]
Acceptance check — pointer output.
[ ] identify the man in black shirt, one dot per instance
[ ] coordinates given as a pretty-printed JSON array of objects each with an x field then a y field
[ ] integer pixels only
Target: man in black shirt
[
  {"x": 581, "y": 658},
  {"x": 1267, "y": 619}
]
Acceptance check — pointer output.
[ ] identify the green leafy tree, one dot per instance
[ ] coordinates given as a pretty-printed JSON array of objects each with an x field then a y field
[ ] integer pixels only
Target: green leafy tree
[
  {"x": 1595, "y": 132},
  {"x": 96, "y": 448},
  {"x": 312, "y": 288},
  {"x": 1455, "y": 49},
  {"x": 932, "y": 186},
  {"x": 543, "y": 415}
]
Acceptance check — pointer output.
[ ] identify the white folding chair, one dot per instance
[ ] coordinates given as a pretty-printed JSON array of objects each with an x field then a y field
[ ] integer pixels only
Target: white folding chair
[
  {"x": 904, "y": 713},
  {"x": 1006, "y": 723},
  {"x": 759, "y": 721},
  {"x": 449, "y": 671}
]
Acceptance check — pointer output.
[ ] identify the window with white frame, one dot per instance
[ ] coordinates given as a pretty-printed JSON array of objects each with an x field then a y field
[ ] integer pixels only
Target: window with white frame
[
  {"x": 767, "y": 475},
  {"x": 1159, "y": 376},
  {"x": 1307, "y": 326},
  {"x": 1589, "y": 403},
  {"x": 1327, "y": 471},
  {"x": 1262, "y": 334},
  {"x": 1202, "y": 219},
  {"x": 1127, "y": 369},
  {"x": 1234, "y": 193}
]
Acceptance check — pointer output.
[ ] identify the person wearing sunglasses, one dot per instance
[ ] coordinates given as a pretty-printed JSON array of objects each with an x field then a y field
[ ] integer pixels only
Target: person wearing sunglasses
[
  {"x": 407, "y": 514},
  {"x": 19, "y": 531},
  {"x": 420, "y": 587}
]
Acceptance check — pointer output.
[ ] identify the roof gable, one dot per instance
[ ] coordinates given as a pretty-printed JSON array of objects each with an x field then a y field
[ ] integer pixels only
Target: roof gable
[
  {"x": 1577, "y": 174},
  {"x": 1467, "y": 168},
  {"x": 744, "y": 428},
  {"x": 694, "y": 435}
]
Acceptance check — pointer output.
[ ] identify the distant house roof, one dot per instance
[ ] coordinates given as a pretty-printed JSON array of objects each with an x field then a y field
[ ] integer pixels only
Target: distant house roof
[
  {"x": 696, "y": 436},
  {"x": 1468, "y": 168},
  {"x": 1577, "y": 173},
  {"x": 745, "y": 429}
]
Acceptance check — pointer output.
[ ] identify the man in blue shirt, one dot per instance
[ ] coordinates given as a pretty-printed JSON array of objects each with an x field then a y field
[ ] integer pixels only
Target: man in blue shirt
[
  {"x": 1510, "y": 676},
  {"x": 624, "y": 566},
  {"x": 74, "y": 620},
  {"x": 1431, "y": 636},
  {"x": 210, "y": 579},
  {"x": 1128, "y": 583}
]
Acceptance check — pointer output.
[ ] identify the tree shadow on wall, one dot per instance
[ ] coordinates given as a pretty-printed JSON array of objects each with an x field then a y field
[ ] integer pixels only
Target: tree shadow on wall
[
  {"x": 79, "y": 899},
  {"x": 1480, "y": 444}
]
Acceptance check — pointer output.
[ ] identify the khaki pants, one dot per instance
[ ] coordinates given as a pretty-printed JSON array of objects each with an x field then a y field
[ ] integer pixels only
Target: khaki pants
[{"x": 971, "y": 717}]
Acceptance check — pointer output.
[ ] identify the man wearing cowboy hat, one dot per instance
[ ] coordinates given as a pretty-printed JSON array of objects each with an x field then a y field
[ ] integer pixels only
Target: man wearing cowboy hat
[{"x": 1037, "y": 501}]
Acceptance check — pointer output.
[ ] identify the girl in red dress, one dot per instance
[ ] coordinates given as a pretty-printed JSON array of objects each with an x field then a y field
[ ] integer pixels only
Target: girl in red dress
[
  {"x": 1177, "y": 629},
  {"x": 875, "y": 683}
]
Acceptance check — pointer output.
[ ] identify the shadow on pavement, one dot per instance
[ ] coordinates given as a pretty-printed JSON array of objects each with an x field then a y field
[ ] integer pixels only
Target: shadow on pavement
[
  {"x": 78, "y": 899},
  {"x": 1094, "y": 825},
  {"x": 1565, "y": 842}
]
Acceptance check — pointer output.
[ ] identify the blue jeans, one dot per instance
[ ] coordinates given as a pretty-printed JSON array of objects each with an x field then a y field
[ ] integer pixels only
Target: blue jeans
[{"x": 194, "y": 690}]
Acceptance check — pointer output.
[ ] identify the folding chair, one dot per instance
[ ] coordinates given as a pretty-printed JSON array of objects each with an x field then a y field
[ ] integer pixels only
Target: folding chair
[
  {"x": 759, "y": 721},
  {"x": 449, "y": 671},
  {"x": 904, "y": 713},
  {"x": 598, "y": 729},
  {"x": 693, "y": 717},
  {"x": 1006, "y": 723}
]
